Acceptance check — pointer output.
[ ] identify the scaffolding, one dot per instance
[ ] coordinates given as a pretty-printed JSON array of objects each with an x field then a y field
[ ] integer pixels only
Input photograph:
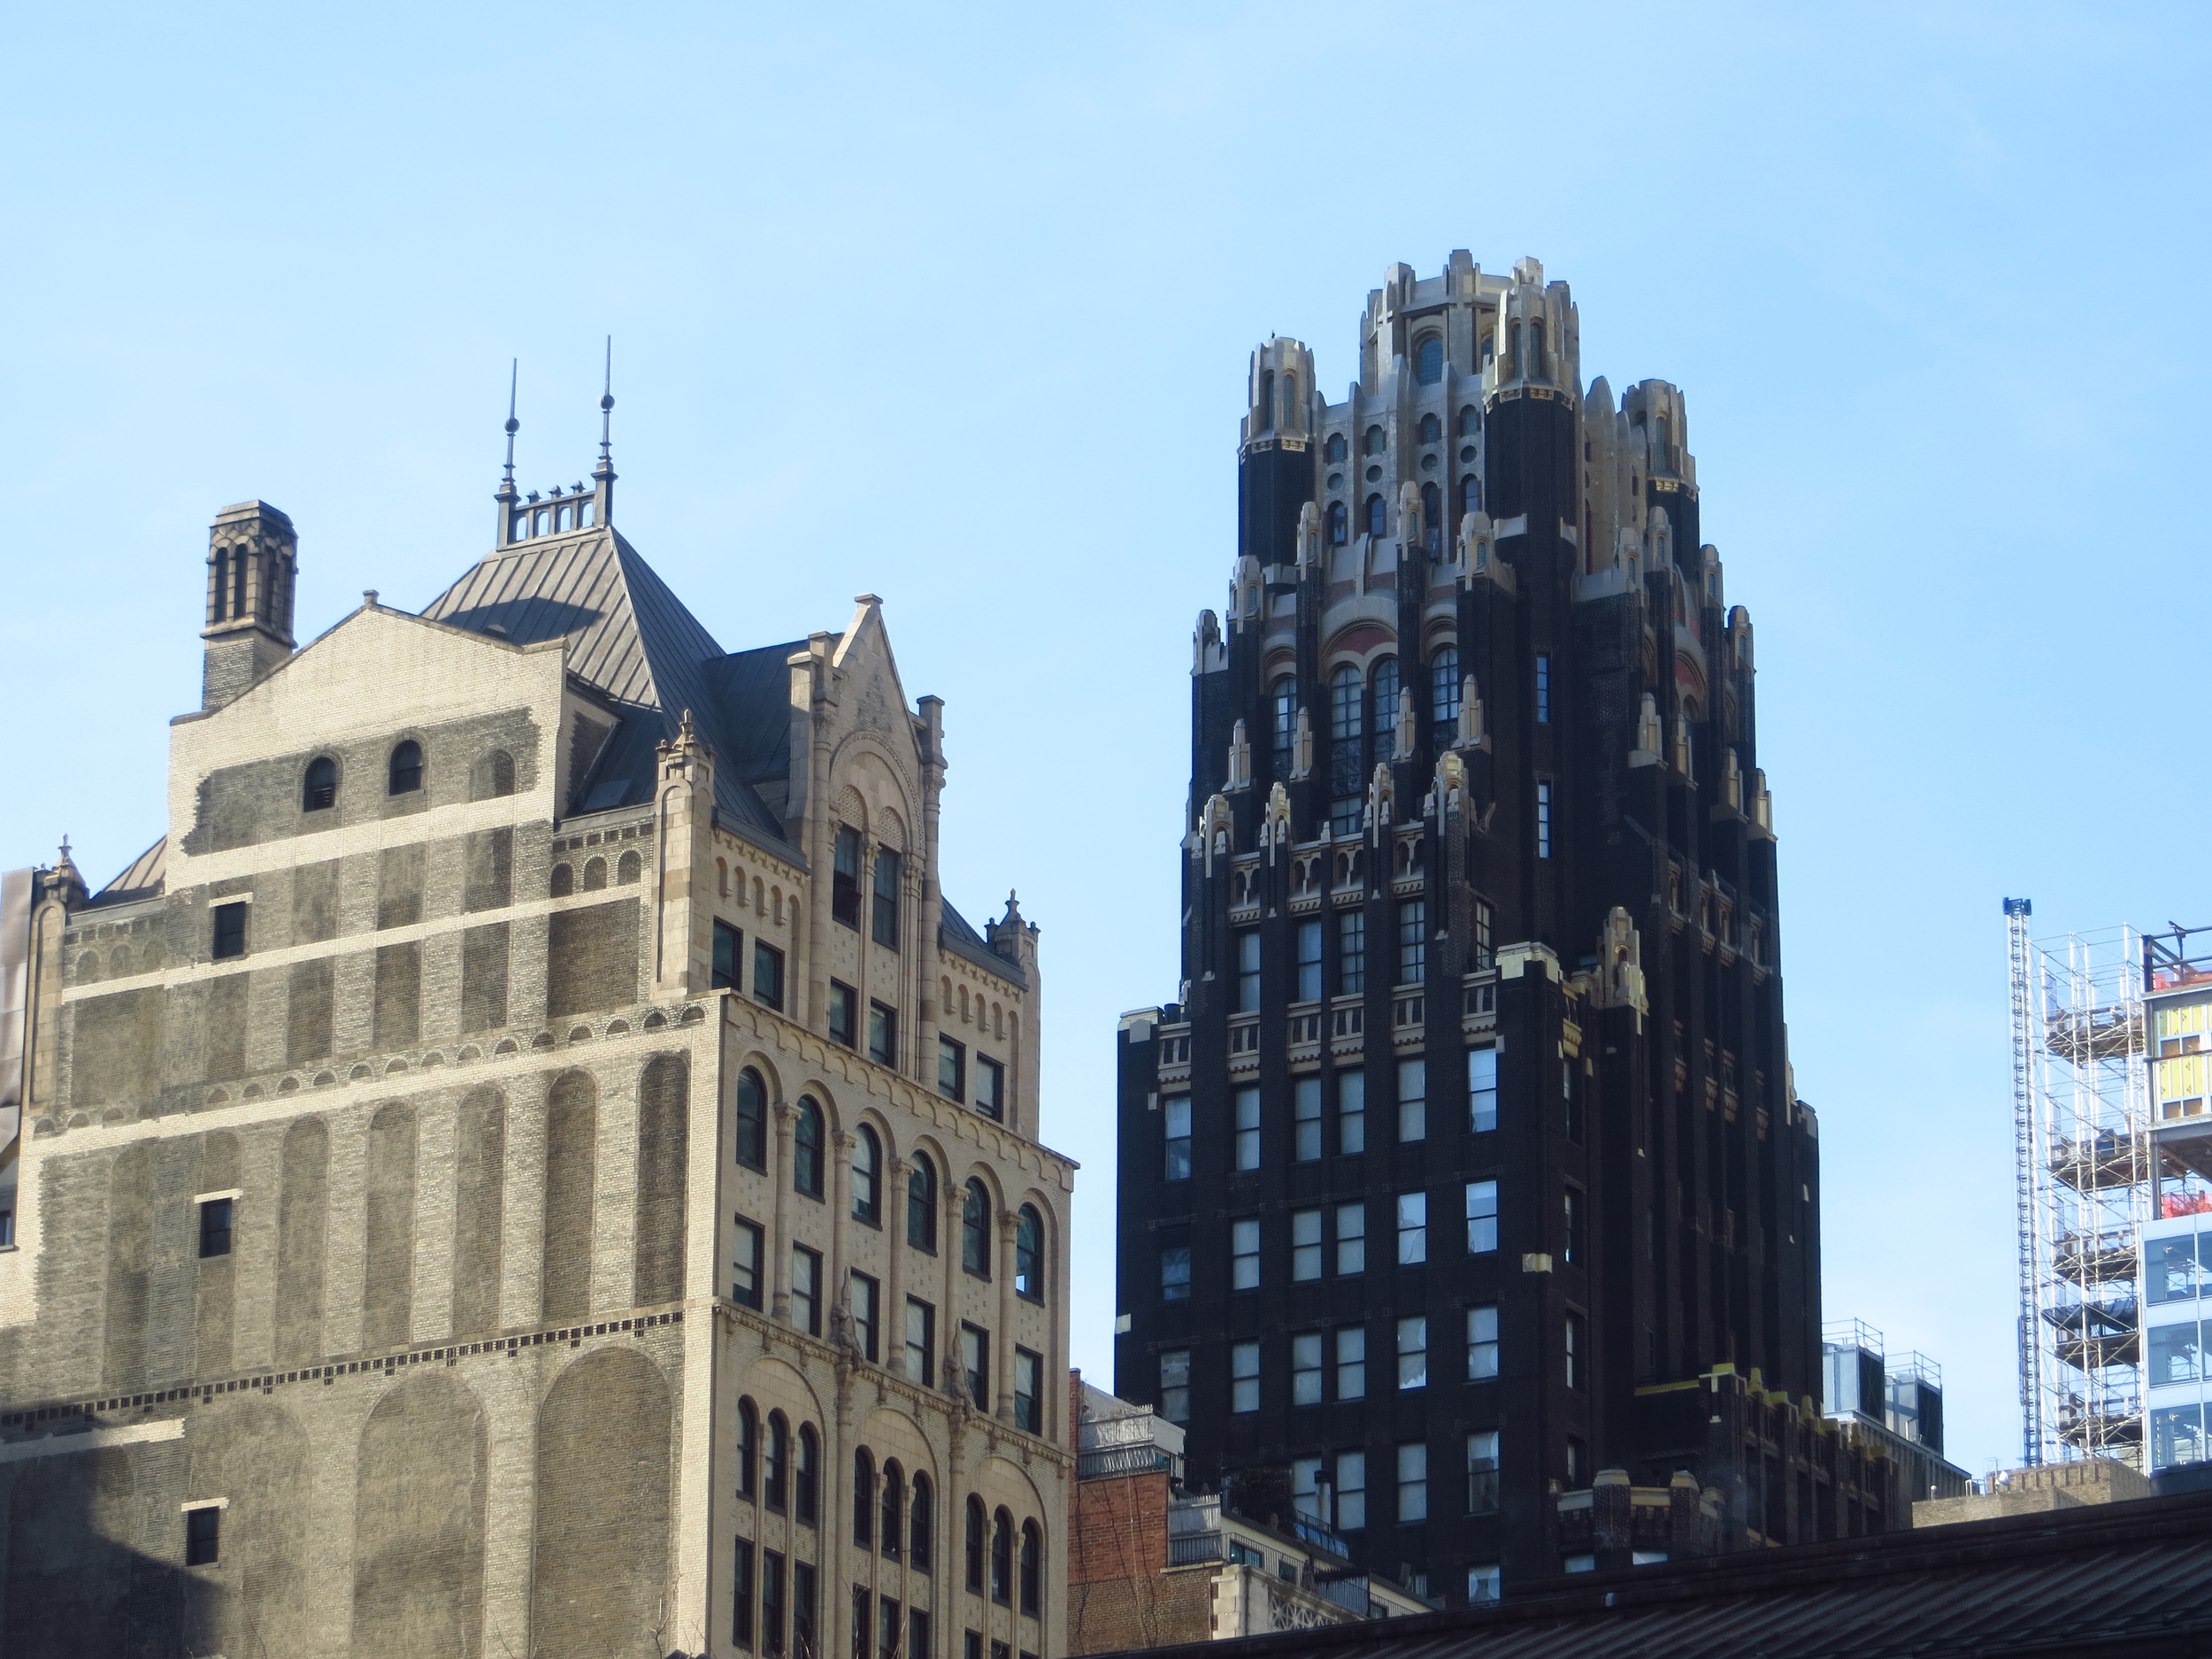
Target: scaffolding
[{"x": 2084, "y": 1169}]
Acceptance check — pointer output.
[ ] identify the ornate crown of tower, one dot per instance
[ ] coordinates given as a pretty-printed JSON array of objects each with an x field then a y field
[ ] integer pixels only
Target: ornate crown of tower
[{"x": 252, "y": 570}]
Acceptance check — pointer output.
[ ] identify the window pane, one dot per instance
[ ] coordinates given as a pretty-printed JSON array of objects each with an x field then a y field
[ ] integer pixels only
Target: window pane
[
  {"x": 1482, "y": 1216},
  {"x": 1482, "y": 1343},
  {"x": 1305, "y": 1244},
  {"x": 1351, "y": 1363},
  {"x": 1413, "y": 1228},
  {"x": 1351, "y": 1108},
  {"x": 1413, "y": 1482},
  {"x": 1175, "y": 1121},
  {"x": 1247, "y": 1132},
  {"x": 1244, "y": 1252},
  {"x": 1482, "y": 1090},
  {"x": 1175, "y": 1273},
  {"x": 1244, "y": 1377},
  {"x": 1413, "y": 1352},
  {"x": 1306, "y": 1118},
  {"x": 1413, "y": 1089},
  {"x": 1175, "y": 1386},
  {"x": 1351, "y": 1238}
]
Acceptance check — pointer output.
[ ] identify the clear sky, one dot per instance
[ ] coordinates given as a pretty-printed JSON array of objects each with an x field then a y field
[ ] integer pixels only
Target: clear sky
[{"x": 952, "y": 304}]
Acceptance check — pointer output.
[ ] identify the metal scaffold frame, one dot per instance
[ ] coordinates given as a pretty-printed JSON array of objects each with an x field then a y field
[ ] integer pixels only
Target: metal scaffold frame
[{"x": 2081, "y": 1141}]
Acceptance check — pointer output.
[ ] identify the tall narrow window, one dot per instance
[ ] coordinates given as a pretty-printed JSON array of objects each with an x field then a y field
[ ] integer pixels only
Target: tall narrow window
[
  {"x": 230, "y": 930},
  {"x": 975, "y": 1231},
  {"x": 1543, "y": 820},
  {"x": 772, "y": 1601},
  {"x": 806, "y": 1290},
  {"x": 1482, "y": 1217},
  {"x": 1377, "y": 440},
  {"x": 1351, "y": 1363},
  {"x": 1305, "y": 1244},
  {"x": 921, "y": 1204},
  {"x": 1346, "y": 812},
  {"x": 1285, "y": 699},
  {"x": 1244, "y": 1254},
  {"x": 1482, "y": 1090},
  {"x": 1309, "y": 962},
  {"x": 1244, "y": 1377},
  {"x": 767, "y": 975},
  {"x": 777, "y": 1486},
  {"x": 1351, "y": 1492},
  {"x": 1386, "y": 697},
  {"x": 978, "y": 1522},
  {"x": 1340, "y": 521},
  {"x": 1267, "y": 400},
  {"x": 806, "y": 1149},
  {"x": 1029, "y": 1254},
  {"x": 1378, "y": 518},
  {"x": 203, "y": 1535},
  {"x": 1482, "y": 1342},
  {"x": 1413, "y": 940},
  {"x": 1486, "y": 934},
  {"x": 921, "y": 1342},
  {"x": 1413, "y": 1095},
  {"x": 867, "y": 1166},
  {"x": 883, "y": 1034},
  {"x": 1413, "y": 1229},
  {"x": 1028, "y": 1396},
  {"x": 1351, "y": 952},
  {"x": 952, "y": 1068},
  {"x": 1482, "y": 1471},
  {"x": 215, "y": 1219},
  {"x": 1248, "y": 971},
  {"x": 1433, "y": 517},
  {"x": 1428, "y": 360},
  {"x": 1576, "y": 1351},
  {"x": 746, "y": 1262},
  {"x": 805, "y": 1605},
  {"x": 1469, "y": 494},
  {"x": 1175, "y": 1385},
  {"x": 727, "y": 943},
  {"x": 1032, "y": 1571},
  {"x": 747, "y": 1449},
  {"x": 975, "y": 1364},
  {"x": 404, "y": 774},
  {"x": 867, "y": 1297},
  {"x": 845, "y": 877},
  {"x": 1413, "y": 1351},
  {"x": 1305, "y": 1112},
  {"x": 921, "y": 1528},
  {"x": 863, "y": 1497},
  {"x": 320, "y": 789},
  {"x": 1248, "y": 1128},
  {"x": 1543, "y": 691},
  {"x": 1444, "y": 686},
  {"x": 1514, "y": 367},
  {"x": 1306, "y": 1368},
  {"x": 1413, "y": 1483},
  {"x": 844, "y": 1014},
  {"x": 1351, "y": 1113},
  {"x": 888, "y": 868},
  {"x": 1571, "y": 1233},
  {"x": 892, "y": 1528},
  {"x": 1536, "y": 368},
  {"x": 741, "y": 1594},
  {"x": 990, "y": 1088},
  {"x": 1345, "y": 689},
  {"x": 1003, "y": 1558},
  {"x": 1351, "y": 1239},
  {"x": 1175, "y": 1126},
  {"x": 1175, "y": 1272}
]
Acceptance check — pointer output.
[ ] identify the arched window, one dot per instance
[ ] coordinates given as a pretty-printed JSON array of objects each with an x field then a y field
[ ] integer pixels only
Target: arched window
[
  {"x": 1377, "y": 440},
  {"x": 752, "y": 1120},
  {"x": 1513, "y": 350},
  {"x": 630, "y": 869},
  {"x": 778, "y": 1479},
  {"x": 1003, "y": 1558},
  {"x": 1444, "y": 685},
  {"x": 975, "y": 1231},
  {"x": 1433, "y": 517},
  {"x": 806, "y": 1149},
  {"x": 1339, "y": 523},
  {"x": 1284, "y": 701},
  {"x": 1470, "y": 421},
  {"x": 1536, "y": 370},
  {"x": 563, "y": 880},
  {"x": 863, "y": 1497},
  {"x": 1267, "y": 400},
  {"x": 405, "y": 774},
  {"x": 977, "y": 1524},
  {"x": 1385, "y": 695},
  {"x": 1029, "y": 1255},
  {"x": 1344, "y": 716},
  {"x": 1428, "y": 360},
  {"x": 921, "y": 1524},
  {"x": 867, "y": 1160},
  {"x": 1470, "y": 494},
  {"x": 921, "y": 1204},
  {"x": 1032, "y": 1571},
  {"x": 493, "y": 775},
  {"x": 893, "y": 1507},
  {"x": 808, "y": 1507},
  {"x": 1377, "y": 517},
  {"x": 320, "y": 789},
  {"x": 1336, "y": 447},
  {"x": 239, "y": 557},
  {"x": 595, "y": 874},
  {"x": 747, "y": 1449},
  {"x": 1431, "y": 429}
]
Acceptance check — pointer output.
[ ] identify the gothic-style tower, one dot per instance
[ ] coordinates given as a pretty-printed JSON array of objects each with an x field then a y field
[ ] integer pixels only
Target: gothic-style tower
[
  {"x": 1467, "y": 1162},
  {"x": 252, "y": 567}
]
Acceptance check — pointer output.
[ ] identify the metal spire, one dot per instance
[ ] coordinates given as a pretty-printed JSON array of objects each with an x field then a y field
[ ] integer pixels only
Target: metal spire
[
  {"x": 514, "y": 365},
  {"x": 606, "y": 414}
]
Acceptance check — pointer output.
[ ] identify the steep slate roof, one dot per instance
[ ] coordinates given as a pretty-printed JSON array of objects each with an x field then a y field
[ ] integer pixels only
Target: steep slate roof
[
  {"x": 633, "y": 640},
  {"x": 955, "y": 934}
]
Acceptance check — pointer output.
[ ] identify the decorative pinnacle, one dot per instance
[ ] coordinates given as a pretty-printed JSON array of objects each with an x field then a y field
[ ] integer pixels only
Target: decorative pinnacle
[
  {"x": 514, "y": 367},
  {"x": 606, "y": 415}
]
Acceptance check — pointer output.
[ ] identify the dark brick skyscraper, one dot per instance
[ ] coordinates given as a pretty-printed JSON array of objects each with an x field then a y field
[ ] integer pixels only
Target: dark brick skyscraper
[{"x": 1466, "y": 1160}]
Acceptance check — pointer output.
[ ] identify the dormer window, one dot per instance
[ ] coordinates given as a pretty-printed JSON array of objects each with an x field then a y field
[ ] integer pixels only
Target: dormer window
[
  {"x": 406, "y": 769},
  {"x": 1428, "y": 360},
  {"x": 320, "y": 791}
]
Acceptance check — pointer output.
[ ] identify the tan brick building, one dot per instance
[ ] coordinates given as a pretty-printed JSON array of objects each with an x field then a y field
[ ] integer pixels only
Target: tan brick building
[{"x": 530, "y": 1163}]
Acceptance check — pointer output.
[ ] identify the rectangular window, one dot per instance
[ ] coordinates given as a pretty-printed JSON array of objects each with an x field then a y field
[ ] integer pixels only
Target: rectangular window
[
  {"x": 1543, "y": 691},
  {"x": 1028, "y": 1395},
  {"x": 1351, "y": 1113},
  {"x": 1483, "y": 1585},
  {"x": 728, "y": 942},
  {"x": 1248, "y": 971},
  {"x": 1578, "y": 1473},
  {"x": 1482, "y": 1342},
  {"x": 921, "y": 1342},
  {"x": 1244, "y": 1377},
  {"x": 1175, "y": 1385},
  {"x": 1543, "y": 820},
  {"x": 1413, "y": 1229},
  {"x": 768, "y": 975},
  {"x": 1413, "y": 1100},
  {"x": 1482, "y": 1471},
  {"x": 883, "y": 1034},
  {"x": 1175, "y": 1122},
  {"x": 1175, "y": 1273},
  {"x": 215, "y": 1221},
  {"x": 806, "y": 1290},
  {"x": 1413, "y": 940},
  {"x": 1570, "y": 1236},
  {"x": 1351, "y": 1239},
  {"x": 803, "y": 1603},
  {"x": 1351, "y": 1363},
  {"x": 1351, "y": 951},
  {"x": 867, "y": 1303},
  {"x": 1413, "y": 1351},
  {"x": 1309, "y": 962},
  {"x": 973, "y": 1647},
  {"x": 1486, "y": 933},
  {"x": 230, "y": 930},
  {"x": 746, "y": 1261},
  {"x": 1305, "y": 1116},
  {"x": 1305, "y": 1368},
  {"x": 1248, "y": 1145},
  {"x": 771, "y": 1614},
  {"x": 952, "y": 1069},
  {"x": 844, "y": 1014},
  {"x": 1413, "y": 1483},
  {"x": 203, "y": 1528},
  {"x": 990, "y": 1088},
  {"x": 888, "y": 868},
  {"x": 1482, "y": 1217},
  {"x": 1482, "y": 1090},
  {"x": 888, "y": 1624},
  {"x": 1351, "y": 1491},
  {"x": 864, "y": 1622},
  {"x": 975, "y": 1364},
  {"x": 1305, "y": 1244},
  {"x": 1346, "y": 812},
  {"x": 845, "y": 878},
  {"x": 1577, "y": 1344},
  {"x": 917, "y": 1632},
  {"x": 1244, "y": 1254},
  {"x": 741, "y": 1594}
]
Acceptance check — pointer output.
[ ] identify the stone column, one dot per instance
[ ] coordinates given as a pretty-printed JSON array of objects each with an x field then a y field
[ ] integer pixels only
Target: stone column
[
  {"x": 893, "y": 1314},
  {"x": 780, "y": 1240},
  {"x": 1002, "y": 1360},
  {"x": 949, "y": 1242},
  {"x": 840, "y": 1215}
]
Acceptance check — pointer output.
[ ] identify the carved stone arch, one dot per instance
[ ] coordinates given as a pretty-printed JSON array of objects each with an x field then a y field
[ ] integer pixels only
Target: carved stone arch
[
  {"x": 874, "y": 1117},
  {"x": 1358, "y": 643},
  {"x": 760, "y": 1060},
  {"x": 778, "y": 1385},
  {"x": 894, "y": 1433}
]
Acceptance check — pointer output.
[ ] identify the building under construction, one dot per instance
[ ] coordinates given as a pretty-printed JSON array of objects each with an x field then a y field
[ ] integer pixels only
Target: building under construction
[{"x": 2111, "y": 1080}]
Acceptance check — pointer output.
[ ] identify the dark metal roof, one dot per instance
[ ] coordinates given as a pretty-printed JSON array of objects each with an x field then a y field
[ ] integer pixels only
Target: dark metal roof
[
  {"x": 955, "y": 934},
  {"x": 2132, "y": 1578},
  {"x": 142, "y": 881}
]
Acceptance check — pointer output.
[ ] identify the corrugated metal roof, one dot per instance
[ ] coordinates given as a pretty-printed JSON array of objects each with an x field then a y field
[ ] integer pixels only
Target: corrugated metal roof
[
  {"x": 144, "y": 879},
  {"x": 2124, "y": 1577}
]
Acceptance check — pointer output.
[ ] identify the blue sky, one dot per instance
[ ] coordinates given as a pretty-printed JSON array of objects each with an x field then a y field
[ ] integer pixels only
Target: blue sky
[{"x": 952, "y": 304}]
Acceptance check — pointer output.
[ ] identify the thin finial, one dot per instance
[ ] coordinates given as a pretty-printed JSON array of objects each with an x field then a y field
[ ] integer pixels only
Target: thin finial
[
  {"x": 514, "y": 370},
  {"x": 606, "y": 404}
]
